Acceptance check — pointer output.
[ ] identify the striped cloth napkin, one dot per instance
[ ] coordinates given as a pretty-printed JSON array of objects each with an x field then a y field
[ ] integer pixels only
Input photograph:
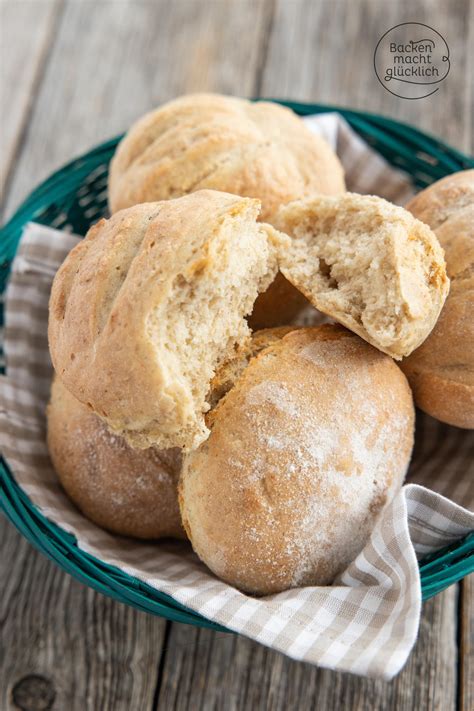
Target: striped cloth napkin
[{"x": 367, "y": 622}]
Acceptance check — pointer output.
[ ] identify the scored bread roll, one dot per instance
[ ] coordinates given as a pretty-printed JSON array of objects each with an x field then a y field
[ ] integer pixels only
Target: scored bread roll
[
  {"x": 127, "y": 491},
  {"x": 148, "y": 305},
  {"x": 260, "y": 150},
  {"x": 253, "y": 149},
  {"x": 441, "y": 371},
  {"x": 368, "y": 264},
  {"x": 305, "y": 450}
]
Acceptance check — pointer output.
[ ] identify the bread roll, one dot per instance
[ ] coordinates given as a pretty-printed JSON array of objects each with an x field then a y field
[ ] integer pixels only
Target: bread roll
[
  {"x": 447, "y": 196},
  {"x": 260, "y": 150},
  {"x": 305, "y": 450},
  {"x": 127, "y": 491},
  {"x": 368, "y": 264},
  {"x": 147, "y": 306},
  {"x": 441, "y": 371}
]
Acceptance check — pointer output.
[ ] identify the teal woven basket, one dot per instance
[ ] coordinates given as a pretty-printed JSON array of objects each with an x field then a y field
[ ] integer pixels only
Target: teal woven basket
[{"x": 76, "y": 196}]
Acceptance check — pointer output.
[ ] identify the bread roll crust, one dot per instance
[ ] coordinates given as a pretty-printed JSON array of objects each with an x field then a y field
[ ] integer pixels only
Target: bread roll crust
[
  {"x": 230, "y": 371},
  {"x": 145, "y": 293},
  {"x": 260, "y": 150},
  {"x": 435, "y": 204},
  {"x": 127, "y": 491},
  {"x": 441, "y": 371},
  {"x": 305, "y": 450}
]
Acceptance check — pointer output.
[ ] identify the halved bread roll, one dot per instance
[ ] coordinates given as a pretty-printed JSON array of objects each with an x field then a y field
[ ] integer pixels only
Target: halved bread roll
[
  {"x": 368, "y": 264},
  {"x": 148, "y": 305}
]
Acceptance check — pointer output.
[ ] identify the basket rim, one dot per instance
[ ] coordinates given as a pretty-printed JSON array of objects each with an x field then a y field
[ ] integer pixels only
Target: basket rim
[
  {"x": 61, "y": 546},
  {"x": 301, "y": 108}
]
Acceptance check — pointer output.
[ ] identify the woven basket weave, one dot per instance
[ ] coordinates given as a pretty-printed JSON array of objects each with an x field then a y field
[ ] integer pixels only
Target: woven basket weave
[{"x": 76, "y": 196}]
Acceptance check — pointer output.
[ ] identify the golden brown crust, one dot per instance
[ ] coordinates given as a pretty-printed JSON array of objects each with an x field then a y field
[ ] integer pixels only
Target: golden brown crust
[
  {"x": 260, "y": 150},
  {"x": 306, "y": 448},
  {"x": 435, "y": 204},
  {"x": 229, "y": 371},
  {"x": 106, "y": 294},
  {"x": 127, "y": 491},
  {"x": 441, "y": 371}
]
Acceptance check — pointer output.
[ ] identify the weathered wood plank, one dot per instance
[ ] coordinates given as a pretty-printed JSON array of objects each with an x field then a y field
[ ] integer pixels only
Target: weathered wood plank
[
  {"x": 113, "y": 61},
  {"x": 216, "y": 671},
  {"x": 61, "y": 639},
  {"x": 466, "y": 650},
  {"x": 323, "y": 52},
  {"x": 25, "y": 35}
]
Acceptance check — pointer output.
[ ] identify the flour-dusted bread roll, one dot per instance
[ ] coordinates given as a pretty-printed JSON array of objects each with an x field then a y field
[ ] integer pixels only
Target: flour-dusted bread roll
[
  {"x": 147, "y": 306},
  {"x": 441, "y": 371},
  {"x": 260, "y": 150},
  {"x": 368, "y": 264},
  {"x": 306, "y": 448},
  {"x": 127, "y": 491}
]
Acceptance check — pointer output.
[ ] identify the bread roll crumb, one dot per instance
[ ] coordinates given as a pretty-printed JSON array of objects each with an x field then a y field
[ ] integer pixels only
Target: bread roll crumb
[
  {"x": 149, "y": 304},
  {"x": 368, "y": 264}
]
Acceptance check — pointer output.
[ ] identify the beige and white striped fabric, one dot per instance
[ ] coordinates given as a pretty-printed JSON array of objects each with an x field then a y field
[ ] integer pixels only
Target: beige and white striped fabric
[{"x": 367, "y": 622}]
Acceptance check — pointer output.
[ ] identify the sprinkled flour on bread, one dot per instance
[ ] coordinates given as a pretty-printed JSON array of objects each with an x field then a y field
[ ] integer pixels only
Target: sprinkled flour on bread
[{"x": 306, "y": 448}]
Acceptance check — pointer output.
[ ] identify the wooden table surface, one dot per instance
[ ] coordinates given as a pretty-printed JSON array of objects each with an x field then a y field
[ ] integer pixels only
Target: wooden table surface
[{"x": 73, "y": 73}]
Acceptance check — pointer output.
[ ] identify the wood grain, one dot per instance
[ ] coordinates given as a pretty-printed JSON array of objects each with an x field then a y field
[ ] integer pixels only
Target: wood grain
[
  {"x": 105, "y": 63},
  {"x": 466, "y": 651},
  {"x": 63, "y": 640},
  {"x": 22, "y": 59},
  {"x": 323, "y": 51},
  {"x": 205, "y": 670},
  {"x": 113, "y": 61}
]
